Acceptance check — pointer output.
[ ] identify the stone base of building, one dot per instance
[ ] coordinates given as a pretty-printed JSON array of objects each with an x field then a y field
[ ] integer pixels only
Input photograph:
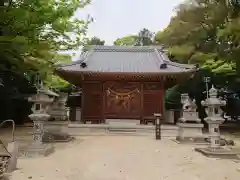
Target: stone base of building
[
  {"x": 218, "y": 153},
  {"x": 167, "y": 131},
  {"x": 38, "y": 150},
  {"x": 122, "y": 122}
]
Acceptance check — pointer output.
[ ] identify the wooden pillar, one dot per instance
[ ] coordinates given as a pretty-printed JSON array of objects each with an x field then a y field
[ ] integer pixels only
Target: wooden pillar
[
  {"x": 103, "y": 102},
  {"x": 82, "y": 104},
  {"x": 142, "y": 107},
  {"x": 163, "y": 98}
]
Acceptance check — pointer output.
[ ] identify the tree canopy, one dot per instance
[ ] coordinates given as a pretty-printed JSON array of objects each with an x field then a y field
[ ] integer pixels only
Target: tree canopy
[
  {"x": 95, "y": 41},
  {"x": 32, "y": 34},
  {"x": 205, "y": 32},
  {"x": 126, "y": 41},
  {"x": 143, "y": 38}
]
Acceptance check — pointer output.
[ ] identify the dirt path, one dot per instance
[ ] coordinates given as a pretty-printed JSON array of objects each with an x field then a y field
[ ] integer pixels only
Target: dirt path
[{"x": 125, "y": 158}]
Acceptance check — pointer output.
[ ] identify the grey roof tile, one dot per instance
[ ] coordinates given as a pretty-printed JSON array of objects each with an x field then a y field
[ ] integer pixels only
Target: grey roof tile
[{"x": 125, "y": 59}]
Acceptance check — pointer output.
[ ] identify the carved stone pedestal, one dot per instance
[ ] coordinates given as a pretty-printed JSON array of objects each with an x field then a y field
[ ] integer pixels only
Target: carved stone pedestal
[
  {"x": 38, "y": 148},
  {"x": 190, "y": 126},
  {"x": 189, "y": 130}
]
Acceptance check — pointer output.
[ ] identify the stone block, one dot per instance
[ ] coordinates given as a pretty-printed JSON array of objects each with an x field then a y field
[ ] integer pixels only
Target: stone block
[
  {"x": 36, "y": 150},
  {"x": 122, "y": 122},
  {"x": 169, "y": 116},
  {"x": 189, "y": 130}
]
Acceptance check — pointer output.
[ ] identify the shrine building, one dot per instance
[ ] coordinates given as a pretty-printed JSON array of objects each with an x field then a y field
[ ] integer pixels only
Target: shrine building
[{"x": 123, "y": 82}]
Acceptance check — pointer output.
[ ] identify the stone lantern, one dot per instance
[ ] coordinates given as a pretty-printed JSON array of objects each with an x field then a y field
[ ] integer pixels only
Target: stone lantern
[
  {"x": 189, "y": 124},
  {"x": 214, "y": 118},
  {"x": 41, "y": 103},
  {"x": 213, "y": 108}
]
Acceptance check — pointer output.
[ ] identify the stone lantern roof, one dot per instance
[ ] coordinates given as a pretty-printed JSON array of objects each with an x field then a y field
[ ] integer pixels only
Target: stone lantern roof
[
  {"x": 213, "y": 100},
  {"x": 47, "y": 92}
]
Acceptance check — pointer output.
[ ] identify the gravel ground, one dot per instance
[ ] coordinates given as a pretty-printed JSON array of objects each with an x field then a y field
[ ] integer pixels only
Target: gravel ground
[{"x": 125, "y": 158}]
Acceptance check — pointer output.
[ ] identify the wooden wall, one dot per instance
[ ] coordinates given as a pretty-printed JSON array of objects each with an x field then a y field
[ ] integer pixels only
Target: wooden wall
[
  {"x": 98, "y": 103},
  {"x": 153, "y": 99},
  {"x": 92, "y": 102}
]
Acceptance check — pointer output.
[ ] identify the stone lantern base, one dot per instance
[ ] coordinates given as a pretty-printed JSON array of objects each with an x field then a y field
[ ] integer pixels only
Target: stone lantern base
[
  {"x": 55, "y": 137},
  {"x": 36, "y": 150},
  {"x": 220, "y": 152}
]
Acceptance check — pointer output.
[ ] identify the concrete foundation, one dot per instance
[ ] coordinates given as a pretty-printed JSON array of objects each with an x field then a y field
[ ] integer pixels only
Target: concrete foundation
[{"x": 167, "y": 131}]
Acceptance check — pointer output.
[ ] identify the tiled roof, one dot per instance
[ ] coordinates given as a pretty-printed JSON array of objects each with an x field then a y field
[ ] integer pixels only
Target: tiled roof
[{"x": 125, "y": 59}]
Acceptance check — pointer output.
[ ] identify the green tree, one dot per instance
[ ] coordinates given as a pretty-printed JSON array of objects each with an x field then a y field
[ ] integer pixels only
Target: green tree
[
  {"x": 53, "y": 81},
  {"x": 126, "y": 41},
  {"x": 34, "y": 31},
  {"x": 204, "y": 32},
  {"x": 95, "y": 41},
  {"x": 145, "y": 38}
]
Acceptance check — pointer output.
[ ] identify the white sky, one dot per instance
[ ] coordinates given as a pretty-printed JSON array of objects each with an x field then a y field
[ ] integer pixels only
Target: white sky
[{"x": 117, "y": 18}]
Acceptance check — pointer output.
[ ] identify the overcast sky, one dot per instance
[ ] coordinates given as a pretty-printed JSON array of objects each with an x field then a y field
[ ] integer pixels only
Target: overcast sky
[{"x": 118, "y": 18}]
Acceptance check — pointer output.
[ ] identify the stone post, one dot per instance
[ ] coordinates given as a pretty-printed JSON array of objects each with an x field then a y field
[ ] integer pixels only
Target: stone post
[{"x": 158, "y": 126}]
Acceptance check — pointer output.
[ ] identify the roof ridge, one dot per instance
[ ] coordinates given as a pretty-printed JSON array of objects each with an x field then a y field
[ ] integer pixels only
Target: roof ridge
[
  {"x": 102, "y": 48},
  {"x": 169, "y": 62},
  {"x": 189, "y": 66}
]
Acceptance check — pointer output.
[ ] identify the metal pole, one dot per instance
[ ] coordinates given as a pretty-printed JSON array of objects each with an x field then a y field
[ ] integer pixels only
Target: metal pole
[
  {"x": 207, "y": 80},
  {"x": 207, "y": 88}
]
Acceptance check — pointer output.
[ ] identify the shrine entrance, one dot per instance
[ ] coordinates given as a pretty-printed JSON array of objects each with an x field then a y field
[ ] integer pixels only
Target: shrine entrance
[{"x": 122, "y": 100}]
